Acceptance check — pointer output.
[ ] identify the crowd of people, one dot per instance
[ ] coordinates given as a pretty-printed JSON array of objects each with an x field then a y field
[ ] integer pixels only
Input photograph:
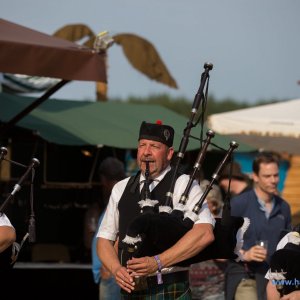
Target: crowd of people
[
  {"x": 259, "y": 272},
  {"x": 255, "y": 197}
]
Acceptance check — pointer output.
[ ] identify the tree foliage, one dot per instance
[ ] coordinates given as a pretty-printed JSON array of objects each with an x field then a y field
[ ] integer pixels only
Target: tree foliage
[{"x": 183, "y": 105}]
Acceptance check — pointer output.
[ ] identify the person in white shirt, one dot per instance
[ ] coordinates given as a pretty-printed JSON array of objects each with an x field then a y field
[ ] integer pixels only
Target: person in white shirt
[
  {"x": 155, "y": 145},
  {"x": 7, "y": 233}
]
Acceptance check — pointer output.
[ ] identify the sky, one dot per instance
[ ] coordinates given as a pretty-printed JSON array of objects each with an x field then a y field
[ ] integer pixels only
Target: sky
[{"x": 254, "y": 46}]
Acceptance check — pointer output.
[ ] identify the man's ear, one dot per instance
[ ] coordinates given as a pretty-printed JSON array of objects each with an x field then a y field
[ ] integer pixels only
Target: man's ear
[
  {"x": 254, "y": 177},
  {"x": 170, "y": 153}
]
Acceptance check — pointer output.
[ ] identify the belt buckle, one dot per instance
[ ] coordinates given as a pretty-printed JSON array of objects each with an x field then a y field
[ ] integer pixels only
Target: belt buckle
[{"x": 140, "y": 283}]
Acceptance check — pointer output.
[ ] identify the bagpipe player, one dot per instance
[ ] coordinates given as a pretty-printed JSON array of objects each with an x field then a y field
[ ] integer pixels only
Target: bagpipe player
[{"x": 161, "y": 277}]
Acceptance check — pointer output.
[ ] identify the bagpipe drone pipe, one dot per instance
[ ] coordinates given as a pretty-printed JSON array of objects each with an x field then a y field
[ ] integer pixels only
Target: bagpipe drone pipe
[
  {"x": 10, "y": 255},
  {"x": 151, "y": 233}
]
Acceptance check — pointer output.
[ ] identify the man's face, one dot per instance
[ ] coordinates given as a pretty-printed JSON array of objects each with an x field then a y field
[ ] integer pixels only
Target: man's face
[
  {"x": 267, "y": 178},
  {"x": 158, "y": 154}
]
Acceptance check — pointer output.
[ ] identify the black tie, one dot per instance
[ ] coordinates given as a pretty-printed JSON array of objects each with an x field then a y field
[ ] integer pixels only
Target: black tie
[{"x": 143, "y": 191}]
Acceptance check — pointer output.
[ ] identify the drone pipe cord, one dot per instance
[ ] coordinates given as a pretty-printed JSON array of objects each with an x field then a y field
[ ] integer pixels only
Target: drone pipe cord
[
  {"x": 164, "y": 230},
  {"x": 186, "y": 133}
]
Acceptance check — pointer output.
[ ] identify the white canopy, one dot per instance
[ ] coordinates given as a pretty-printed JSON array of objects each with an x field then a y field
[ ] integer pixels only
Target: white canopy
[{"x": 273, "y": 127}]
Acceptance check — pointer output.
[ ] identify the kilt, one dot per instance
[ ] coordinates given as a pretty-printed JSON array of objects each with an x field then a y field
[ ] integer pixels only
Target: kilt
[{"x": 172, "y": 291}]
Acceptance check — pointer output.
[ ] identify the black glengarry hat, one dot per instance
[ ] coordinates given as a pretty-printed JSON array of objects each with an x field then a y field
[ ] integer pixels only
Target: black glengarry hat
[{"x": 157, "y": 132}]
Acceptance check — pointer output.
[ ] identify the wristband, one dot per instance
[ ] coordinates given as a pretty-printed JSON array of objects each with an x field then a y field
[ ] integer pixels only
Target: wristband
[{"x": 159, "y": 275}]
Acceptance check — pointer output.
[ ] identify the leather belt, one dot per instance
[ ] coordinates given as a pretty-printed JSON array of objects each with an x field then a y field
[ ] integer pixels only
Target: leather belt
[{"x": 144, "y": 283}]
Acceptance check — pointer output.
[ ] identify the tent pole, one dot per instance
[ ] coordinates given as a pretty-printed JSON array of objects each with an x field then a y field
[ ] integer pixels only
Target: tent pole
[{"x": 32, "y": 106}]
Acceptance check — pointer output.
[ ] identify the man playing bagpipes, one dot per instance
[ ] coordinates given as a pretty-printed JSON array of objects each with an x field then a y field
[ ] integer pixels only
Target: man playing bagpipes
[{"x": 162, "y": 278}]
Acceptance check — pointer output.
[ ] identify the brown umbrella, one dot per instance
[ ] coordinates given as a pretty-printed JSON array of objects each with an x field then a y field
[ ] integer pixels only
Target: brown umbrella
[
  {"x": 30, "y": 52},
  {"x": 26, "y": 51}
]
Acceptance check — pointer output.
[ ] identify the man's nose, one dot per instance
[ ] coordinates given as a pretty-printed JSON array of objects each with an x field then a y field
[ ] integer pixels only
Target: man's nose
[{"x": 147, "y": 150}]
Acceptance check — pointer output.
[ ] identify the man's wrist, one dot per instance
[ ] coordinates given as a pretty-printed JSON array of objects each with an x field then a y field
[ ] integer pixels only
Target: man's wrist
[{"x": 115, "y": 269}]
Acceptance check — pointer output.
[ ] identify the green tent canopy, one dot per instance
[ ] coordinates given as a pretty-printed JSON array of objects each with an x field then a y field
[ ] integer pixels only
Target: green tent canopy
[{"x": 113, "y": 124}]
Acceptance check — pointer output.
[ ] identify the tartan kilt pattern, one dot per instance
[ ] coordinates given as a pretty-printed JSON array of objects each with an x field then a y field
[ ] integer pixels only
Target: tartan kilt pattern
[{"x": 178, "y": 291}]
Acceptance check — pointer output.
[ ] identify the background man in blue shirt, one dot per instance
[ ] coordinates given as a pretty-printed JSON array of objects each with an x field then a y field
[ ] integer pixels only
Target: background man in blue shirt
[{"x": 269, "y": 215}]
